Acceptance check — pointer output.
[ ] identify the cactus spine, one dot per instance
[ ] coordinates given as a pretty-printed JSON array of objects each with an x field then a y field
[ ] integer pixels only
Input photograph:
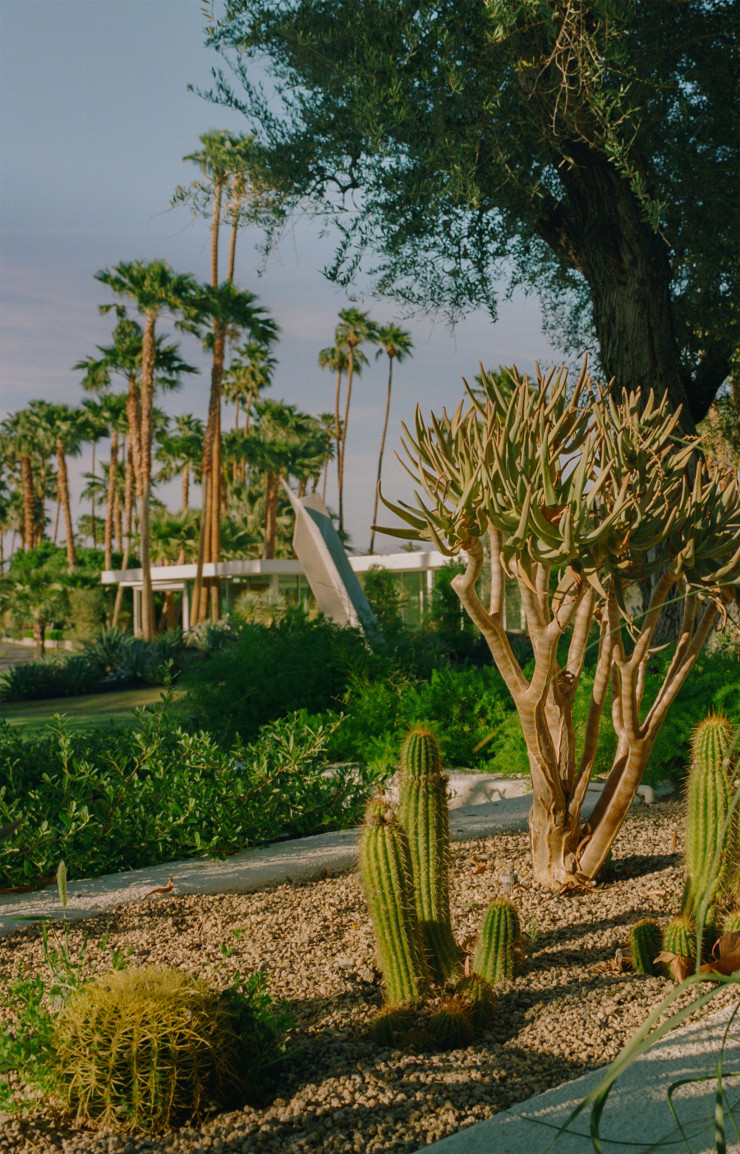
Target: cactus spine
[
  {"x": 646, "y": 942},
  {"x": 386, "y": 874},
  {"x": 711, "y": 847},
  {"x": 731, "y": 924},
  {"x": 496, "y": 953},
  {"x": 423, "y": 813}
]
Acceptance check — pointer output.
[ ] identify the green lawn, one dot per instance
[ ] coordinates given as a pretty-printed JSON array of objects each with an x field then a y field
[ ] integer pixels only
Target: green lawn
[{"x": 93, "y": 709}]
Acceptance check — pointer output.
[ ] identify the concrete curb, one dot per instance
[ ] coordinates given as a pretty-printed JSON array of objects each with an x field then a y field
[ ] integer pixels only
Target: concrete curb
[{"x": 637, "y": 1114}]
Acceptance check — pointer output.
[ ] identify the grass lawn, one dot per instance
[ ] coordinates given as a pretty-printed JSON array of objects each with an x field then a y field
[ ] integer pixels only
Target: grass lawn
[{"x": 92, "y": 709}]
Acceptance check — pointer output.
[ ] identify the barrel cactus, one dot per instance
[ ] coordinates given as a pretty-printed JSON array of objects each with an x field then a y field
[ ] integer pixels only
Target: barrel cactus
[
  {"x": 149, "y": 1048},
  {"x": 496, "y": 954},
  {"x": 423, "y": 813},
  {"x": 679, "y": 938},
  {"x": 646, "y": 942},
  {"x": 452, "y": 1024},
  {"x": 386, "y": 873},
  {"x": 711, "y": 833},
  {"x": 480, "y": 997}
]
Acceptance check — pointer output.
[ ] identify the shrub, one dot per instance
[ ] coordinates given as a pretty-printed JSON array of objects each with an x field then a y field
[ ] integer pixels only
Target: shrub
[
  {"x": 265, "y": 672},
  {"x": 125, "y": 798}
]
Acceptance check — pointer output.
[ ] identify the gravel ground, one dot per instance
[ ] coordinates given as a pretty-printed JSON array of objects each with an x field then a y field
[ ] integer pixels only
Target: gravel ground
[{"x": 571, "y": 1010}]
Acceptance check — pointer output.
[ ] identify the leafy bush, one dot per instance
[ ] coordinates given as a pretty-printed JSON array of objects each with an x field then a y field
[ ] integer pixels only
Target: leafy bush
[
  {"x": 265, "y": 672},
  {"x": 30, "y": 681},
  {"x": 123, "y": 798}
]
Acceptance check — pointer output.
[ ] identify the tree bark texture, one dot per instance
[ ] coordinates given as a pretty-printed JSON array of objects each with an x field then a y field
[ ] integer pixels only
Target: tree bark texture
[{"x": 63, "y": 495}]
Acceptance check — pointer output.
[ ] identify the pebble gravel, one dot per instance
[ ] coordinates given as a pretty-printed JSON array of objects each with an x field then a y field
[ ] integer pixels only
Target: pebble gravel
[{"x": 571, "y": 1010}]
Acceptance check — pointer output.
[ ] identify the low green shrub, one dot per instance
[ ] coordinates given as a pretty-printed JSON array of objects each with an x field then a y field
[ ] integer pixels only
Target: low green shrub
[
  {"x": 124, "y": 798},
  {"x": 265, "y": 672}
]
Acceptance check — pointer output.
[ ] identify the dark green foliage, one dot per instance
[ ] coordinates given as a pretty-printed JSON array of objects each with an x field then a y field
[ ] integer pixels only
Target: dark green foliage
[
  {"x": 480, "y": 997},
  {"x": 124, "y": 797},
  {"x": 452, "y": 1024},
  {"x": 386, "y": 875},
  {"x": 679, "y": 937},
  {"x": 496, "y": 954},
  {"x": 148, "y": 1049},
  {"x": 711, "y": 833},
  {"x": 423, "y": 813},
  {"x": 265, "y": 672},
  {"x": 646, "y": 942}
]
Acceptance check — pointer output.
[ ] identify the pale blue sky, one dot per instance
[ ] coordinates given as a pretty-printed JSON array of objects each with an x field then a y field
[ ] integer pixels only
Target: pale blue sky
[{"x": 95, "y": 117}]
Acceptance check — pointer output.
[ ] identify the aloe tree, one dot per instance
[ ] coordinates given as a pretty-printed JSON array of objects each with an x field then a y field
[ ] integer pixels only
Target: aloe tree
[
  {"x": 581, "y": 497},
  {"x": 155, "y": 290},
  {"x": 396, "y": 343}
]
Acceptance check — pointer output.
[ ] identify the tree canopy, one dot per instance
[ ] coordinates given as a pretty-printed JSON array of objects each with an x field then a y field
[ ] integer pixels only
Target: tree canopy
[{"x": 587, "y": 149}]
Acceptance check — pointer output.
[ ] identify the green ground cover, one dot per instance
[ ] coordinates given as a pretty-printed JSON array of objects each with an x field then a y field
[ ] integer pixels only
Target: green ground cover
[{"x": 89, "y": 710}]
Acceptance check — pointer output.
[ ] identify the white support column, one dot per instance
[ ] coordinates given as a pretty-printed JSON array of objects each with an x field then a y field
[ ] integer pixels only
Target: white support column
[{"x": 185, "y": 607}]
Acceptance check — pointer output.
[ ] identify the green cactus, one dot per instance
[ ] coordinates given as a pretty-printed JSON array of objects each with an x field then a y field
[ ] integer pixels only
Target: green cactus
[
  {"x": 480, "y": 997},
  {"x": 679, "y": 937},
  {"x": 452, "y": 1025},
  {"x": 392, "y": 1025},
  {"x": 386, "y": 874},
  {"x": 149, "y": 1048},
  {"x": 423, "y": 813},
  {"x": 646, "y": 942},
  {"x": 711, "y": 847},
  {"x": 496, "y": 954}
]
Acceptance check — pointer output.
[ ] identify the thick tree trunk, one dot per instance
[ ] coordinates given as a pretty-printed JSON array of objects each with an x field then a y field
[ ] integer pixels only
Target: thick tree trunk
[
  {"x": 627, "y": 269},
  {"x": 185, "y": 489},
  {"x": 39, "y": 636},
  {"x": 554, "y": 837}
]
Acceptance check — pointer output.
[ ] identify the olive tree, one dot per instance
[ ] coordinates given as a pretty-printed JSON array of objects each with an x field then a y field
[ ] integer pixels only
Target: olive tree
[{"x": 581, "y": 497}]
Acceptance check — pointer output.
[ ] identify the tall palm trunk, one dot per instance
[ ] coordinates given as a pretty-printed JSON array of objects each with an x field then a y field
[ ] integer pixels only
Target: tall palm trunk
[
  {"x": 338, "y": 433},
  {"x": 382, "y": 449},
  {"x": 185, "y": 489},
  {"x": 111, "y": 499},
  {"x": 28, "y": 502},
  {"x": 350, "y": 370},
  {"x": 63, "y": 498},
  {"x": 272, "y": 488},
  {"x": 148, "y": 354},
  {"x": 128, "y": 517}
]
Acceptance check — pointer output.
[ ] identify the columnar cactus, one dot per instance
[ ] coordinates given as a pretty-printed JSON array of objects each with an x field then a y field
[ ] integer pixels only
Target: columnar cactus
[
  {"x": 495, "y": 957},
  {"x": 452, "y": 1025},
  {"x": 423, "y": 813},
  {"x": 480, "y": 997},
  {"x": 386, "y": 874},
  {"x": 711, "y": 846},
  {"x": 646, "y": 942},
  {"x": 679, "y": 937}
]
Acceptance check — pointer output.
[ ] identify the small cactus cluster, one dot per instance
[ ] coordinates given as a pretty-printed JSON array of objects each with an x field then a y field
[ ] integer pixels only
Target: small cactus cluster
[
  {"x": 646, "y": 942},
  {"x": 404, "y": 863}
]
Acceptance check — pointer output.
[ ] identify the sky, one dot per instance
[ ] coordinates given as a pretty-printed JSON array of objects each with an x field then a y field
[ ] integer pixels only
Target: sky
[{"x": 95, "y": 118}]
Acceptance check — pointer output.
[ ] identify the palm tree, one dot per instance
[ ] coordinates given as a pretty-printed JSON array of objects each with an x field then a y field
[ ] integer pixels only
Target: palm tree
[
  {"x": 70, "y": 430},
  {"x": 181, "y": 451},
  {"x": 154, "y": 289},
  {"x": 396, "y": 343},
  {"x": 283, "y": 442},
  {"x": 336, "y": 358},
  {"x": 27, "y": 447},
  {"x": 231, "y": 312},
  {"x": 221, "y": 159},
  {"x": 353, "y": 329}
]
